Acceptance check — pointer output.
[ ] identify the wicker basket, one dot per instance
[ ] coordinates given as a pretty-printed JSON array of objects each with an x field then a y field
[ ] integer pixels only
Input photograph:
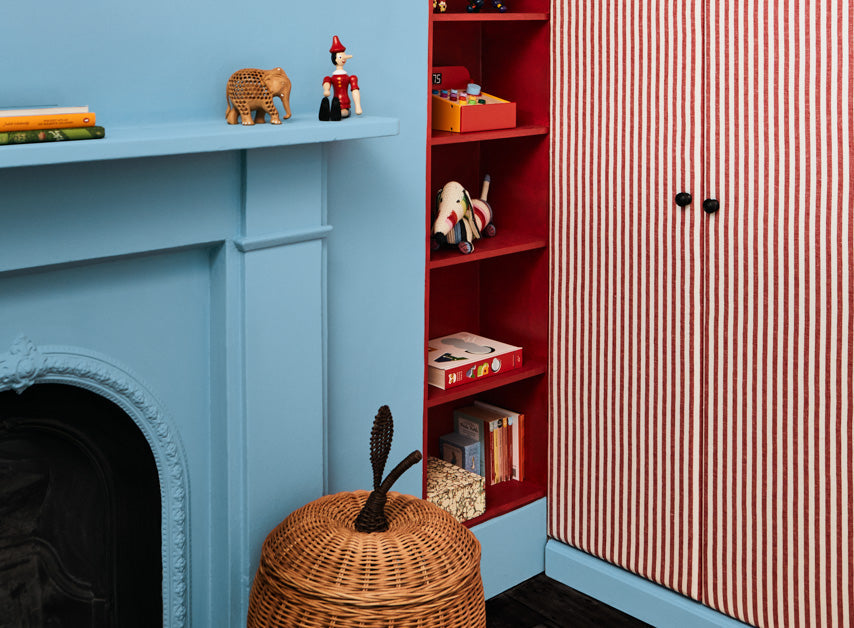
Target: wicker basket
[{"x": 319, "y": 568}]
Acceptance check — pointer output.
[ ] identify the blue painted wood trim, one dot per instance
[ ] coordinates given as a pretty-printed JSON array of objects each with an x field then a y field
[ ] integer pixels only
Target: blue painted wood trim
[
  {"x": 512, "y": 547},
  {"x": 282, "y": 326},
  {"x": 324, "y": 309},
  {"x": 628, "y": 592},
  {"x": 182, "y": 138},
  {"x": 280, "y": 239},
  {"x": 228, "y": 427}
]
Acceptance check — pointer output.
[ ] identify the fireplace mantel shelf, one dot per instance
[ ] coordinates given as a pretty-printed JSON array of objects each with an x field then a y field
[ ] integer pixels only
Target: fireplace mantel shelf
[{"x": 177, "y": 138}]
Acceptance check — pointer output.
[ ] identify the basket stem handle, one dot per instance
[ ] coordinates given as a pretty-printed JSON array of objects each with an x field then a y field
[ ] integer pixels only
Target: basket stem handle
[
  {"x": 372, "y": 516},
  {"x": 381, "y": 434}
]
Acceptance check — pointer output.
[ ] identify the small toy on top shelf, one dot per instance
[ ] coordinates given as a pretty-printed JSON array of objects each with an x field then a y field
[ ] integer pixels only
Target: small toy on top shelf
[
  {"x": 474, "y": 6},
  {"x": 459, "y": 219},
  {"x": 441, "y": 5},
  {"x": 337, "y": 85},
  {"x": 252, "y": 90}
]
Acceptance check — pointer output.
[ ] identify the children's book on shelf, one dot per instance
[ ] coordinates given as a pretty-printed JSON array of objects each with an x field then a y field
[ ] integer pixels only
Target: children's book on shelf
[
  {"x": 464, "y": 357},
  {"x": 517, "y": 428},
  {"x": 460, "y": 450},
  {"x": 492, "y": 431}
]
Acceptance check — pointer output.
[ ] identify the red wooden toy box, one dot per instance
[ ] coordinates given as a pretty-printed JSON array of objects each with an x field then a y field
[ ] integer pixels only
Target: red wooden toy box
[{"x": 458, "y": 115}]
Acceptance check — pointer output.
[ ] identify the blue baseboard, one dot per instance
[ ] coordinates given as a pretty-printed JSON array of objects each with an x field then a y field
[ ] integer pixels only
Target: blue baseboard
[
  {"x": 512, "y": 547},
  {"x": 628, "y": 592}
]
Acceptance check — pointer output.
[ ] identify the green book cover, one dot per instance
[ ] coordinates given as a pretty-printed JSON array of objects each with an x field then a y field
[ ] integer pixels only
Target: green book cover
[{"x": 51, "y": 135}]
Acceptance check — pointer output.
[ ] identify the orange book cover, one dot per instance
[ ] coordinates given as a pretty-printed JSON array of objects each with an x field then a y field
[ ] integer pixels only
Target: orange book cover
[{"x": 57, "y": 121}]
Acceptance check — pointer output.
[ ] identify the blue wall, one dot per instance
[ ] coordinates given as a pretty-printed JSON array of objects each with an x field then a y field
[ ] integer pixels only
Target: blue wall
[
  {"x": 158, "y": 61},
  {"x": 377, "y": 249},
  {"x": 163, "y": 60}
]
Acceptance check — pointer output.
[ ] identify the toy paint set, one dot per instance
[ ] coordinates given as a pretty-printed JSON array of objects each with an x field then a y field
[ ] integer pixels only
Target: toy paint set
[{"x": 461, "y": 106}]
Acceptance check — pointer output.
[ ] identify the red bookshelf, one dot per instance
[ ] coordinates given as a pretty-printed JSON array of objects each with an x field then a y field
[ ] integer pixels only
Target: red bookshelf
[
  {"x": 500, "y": 290},
  {"x": 490, "y": 15},
  {"x": 449, "y": 137}
]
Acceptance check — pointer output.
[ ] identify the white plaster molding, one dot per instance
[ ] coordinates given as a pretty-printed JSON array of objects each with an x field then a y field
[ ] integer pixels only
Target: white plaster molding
[{"x": 26, "y": 364}]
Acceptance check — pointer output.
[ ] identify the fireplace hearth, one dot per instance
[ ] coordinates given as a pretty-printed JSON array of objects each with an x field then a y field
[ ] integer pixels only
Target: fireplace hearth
[{"x": 79, "y": 512}]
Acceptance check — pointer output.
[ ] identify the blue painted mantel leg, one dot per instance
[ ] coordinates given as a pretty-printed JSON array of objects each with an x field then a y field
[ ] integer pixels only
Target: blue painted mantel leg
[{"x": 283, "y": 259}]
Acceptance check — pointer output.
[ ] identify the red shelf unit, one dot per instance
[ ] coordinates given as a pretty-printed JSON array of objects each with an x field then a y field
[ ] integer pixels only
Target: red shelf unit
[
  {"x": 487, "y": 16},
  {"x": 488, "y": 247},
  {"x": 438, "y": 397},
  {"x": 449, "y": 137},
  {"x": 500, "y": 290}
]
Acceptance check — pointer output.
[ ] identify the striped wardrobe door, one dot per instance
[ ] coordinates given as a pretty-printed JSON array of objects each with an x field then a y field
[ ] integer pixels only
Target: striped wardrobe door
[
  {"x": 626, "y": 391},
  {"x": 702, "y": 365},
  {"x": 779, "y": 332}
]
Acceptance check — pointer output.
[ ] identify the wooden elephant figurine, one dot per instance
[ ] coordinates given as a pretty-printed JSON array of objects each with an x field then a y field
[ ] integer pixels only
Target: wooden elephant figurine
[{"x": 251, "y": 90}]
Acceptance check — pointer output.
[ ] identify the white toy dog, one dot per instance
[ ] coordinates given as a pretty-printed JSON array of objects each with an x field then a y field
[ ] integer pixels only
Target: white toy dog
[{"x": 459, "y": 220}]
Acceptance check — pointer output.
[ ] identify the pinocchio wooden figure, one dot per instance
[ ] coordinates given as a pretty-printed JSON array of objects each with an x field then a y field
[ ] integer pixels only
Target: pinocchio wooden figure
[{"x": 337, "y": 86}]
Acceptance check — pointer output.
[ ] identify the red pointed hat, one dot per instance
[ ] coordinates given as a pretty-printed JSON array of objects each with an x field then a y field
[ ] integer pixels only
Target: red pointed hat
[{"x": 337, "y": 46}]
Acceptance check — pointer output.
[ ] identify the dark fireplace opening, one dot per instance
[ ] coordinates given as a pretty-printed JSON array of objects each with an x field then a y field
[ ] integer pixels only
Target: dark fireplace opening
[{"x": 79, "y": 513}]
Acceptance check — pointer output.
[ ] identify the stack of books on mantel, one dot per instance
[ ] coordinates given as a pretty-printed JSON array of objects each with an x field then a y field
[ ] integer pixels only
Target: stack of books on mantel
[{"x": 47, "y": 124}]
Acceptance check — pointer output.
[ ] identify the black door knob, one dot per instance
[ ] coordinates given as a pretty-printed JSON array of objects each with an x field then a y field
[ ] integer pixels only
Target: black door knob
[
  {"x": 683, "y": 198},
  {"x": 711, "y": 205}
]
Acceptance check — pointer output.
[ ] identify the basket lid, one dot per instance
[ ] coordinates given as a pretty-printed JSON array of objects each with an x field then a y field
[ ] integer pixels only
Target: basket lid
[{"x": 318, "y": 551}]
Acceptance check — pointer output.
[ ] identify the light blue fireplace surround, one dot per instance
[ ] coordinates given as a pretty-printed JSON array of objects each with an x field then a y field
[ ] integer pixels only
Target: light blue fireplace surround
[{"x": 250, "y": 297}]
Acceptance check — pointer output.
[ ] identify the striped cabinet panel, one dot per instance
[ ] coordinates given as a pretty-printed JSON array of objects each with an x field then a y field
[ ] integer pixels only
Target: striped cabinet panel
[
  {"x": 778, "y": 478},
  {"x": 702, "y": 364},
  {"x": 627, "y": 392}
]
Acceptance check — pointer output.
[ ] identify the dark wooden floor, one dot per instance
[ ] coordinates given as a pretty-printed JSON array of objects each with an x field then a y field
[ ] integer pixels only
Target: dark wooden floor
[{"x": 545, "y": 603}]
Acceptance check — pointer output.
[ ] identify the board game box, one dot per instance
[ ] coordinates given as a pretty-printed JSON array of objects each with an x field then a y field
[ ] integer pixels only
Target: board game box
[{"x": 464, "y": 357}]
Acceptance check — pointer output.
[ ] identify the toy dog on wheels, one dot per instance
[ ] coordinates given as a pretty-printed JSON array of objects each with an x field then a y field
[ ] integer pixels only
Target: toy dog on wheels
[{"x": 459, "y": 219}]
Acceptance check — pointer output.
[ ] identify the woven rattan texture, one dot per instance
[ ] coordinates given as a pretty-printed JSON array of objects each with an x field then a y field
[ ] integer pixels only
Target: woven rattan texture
[
  {"x": 316, "y": 570},
  {"x": 381, "y": 437}
]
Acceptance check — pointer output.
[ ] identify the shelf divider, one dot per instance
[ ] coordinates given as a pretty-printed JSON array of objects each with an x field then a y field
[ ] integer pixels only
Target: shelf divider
[
  {"x": 491, "y": 17},
  {"x": 437, "y": 396},
  {"x": 506, "y": 496},
  {"x": 485, "y": 248},
  {"x": 438, "y": 138}
]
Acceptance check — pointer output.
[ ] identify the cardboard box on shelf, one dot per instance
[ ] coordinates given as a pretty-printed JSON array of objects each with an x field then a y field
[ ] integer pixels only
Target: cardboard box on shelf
[{"x": 456, "y": 490}]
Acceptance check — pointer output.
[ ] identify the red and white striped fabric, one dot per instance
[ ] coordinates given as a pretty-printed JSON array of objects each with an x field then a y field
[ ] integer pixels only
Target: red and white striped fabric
[{"x": 702, "y": 364}]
